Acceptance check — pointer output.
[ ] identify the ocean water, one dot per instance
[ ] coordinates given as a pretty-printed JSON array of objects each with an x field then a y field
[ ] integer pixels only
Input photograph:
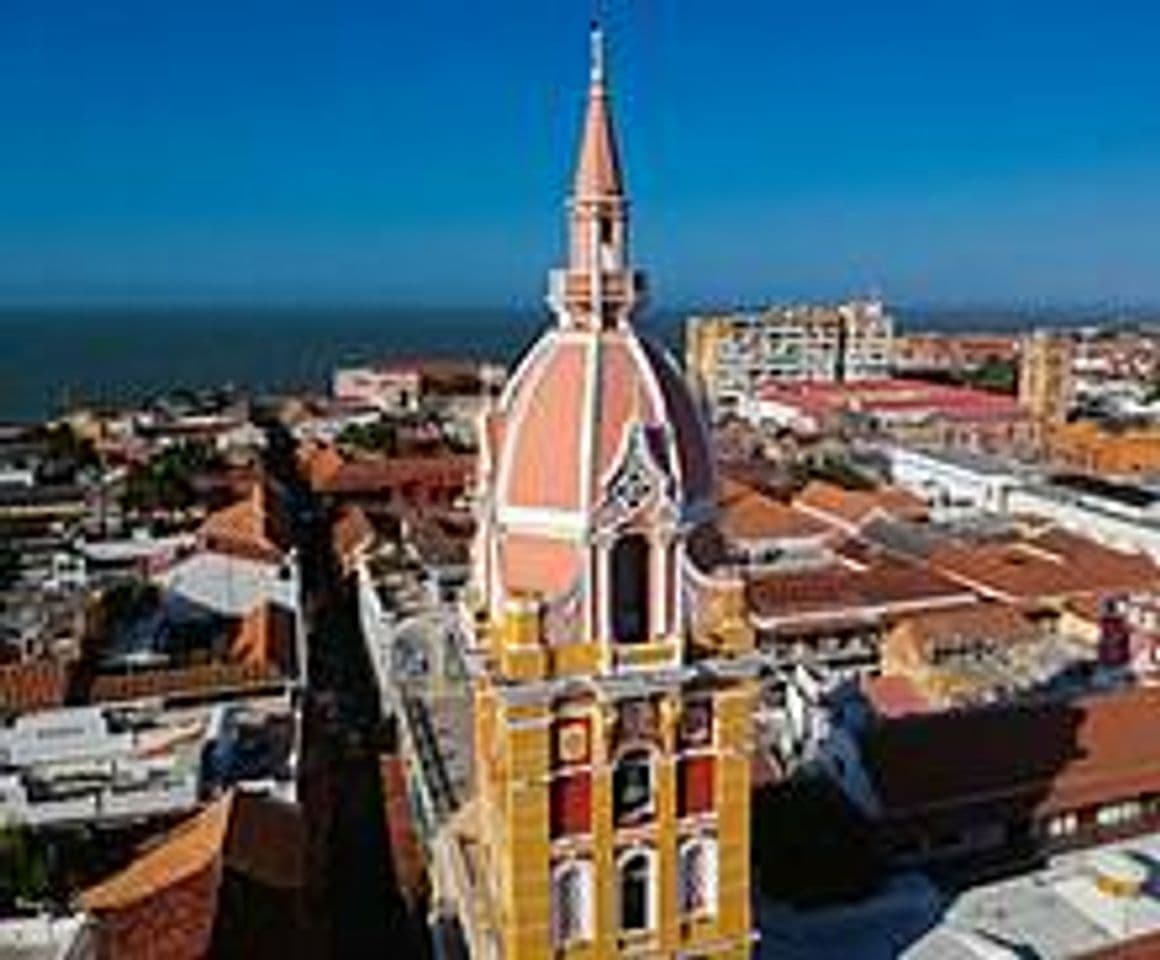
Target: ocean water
[{"x": 54, "y": 358}]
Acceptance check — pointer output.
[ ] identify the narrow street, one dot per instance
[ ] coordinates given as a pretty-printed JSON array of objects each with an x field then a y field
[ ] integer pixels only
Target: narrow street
[
  {"x": 344, "y": 735},
  {"x": 364, "y": 904}
]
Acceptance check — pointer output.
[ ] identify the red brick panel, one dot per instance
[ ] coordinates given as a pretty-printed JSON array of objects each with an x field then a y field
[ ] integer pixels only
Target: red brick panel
[
  {"x": 694, "y": 785},
  {"x": 571, "y": 804}
]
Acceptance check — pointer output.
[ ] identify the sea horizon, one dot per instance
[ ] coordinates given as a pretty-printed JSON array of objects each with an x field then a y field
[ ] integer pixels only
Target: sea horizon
[{"x": 57, "y": 356}]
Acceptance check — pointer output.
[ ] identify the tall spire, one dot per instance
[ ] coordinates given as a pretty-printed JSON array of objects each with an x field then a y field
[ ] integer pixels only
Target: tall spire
[
  {"x": 598, "y": 289},
  {"x": 598, "y": 172}
]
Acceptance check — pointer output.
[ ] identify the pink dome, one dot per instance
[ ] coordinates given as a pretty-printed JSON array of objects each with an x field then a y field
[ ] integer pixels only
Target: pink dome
[{"x": 572, "y": 407}]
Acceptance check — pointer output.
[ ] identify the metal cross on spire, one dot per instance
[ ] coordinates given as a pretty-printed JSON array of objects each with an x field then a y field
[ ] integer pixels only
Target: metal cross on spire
[{"x": 597, "y": 52}]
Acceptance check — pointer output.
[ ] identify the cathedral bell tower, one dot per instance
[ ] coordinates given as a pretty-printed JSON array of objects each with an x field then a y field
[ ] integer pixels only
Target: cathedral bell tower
[{"x": 615, "y": 694}]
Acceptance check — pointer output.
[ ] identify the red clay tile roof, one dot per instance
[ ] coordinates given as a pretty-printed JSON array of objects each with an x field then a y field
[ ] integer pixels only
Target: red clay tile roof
[
  {"x": 33, "y": 685},
  {"x": 884, "y": 585},
  {"x": 192, "y": 847},
  {"x": 1049, "y": 567},
  {"x": 320, "y": 463},
  {"x": 1046, "y": 756},
  {"x": 848, "y": 509},
  {"x": 995, "y": 622},
  {"x": 327, "y": 471},
  {"x": 351, "y": 532},
  {"x": 265, "y": 640},
  {"x": 1089, "y": 607},
  {"x": 747, "y": 514},
  {"x": 252, "y": 528},
  {"x": 166, "y": 901},
  {"x": 894, "y": 397},
  {"x": 198, "y": 680},
  {"x": 895, "y": 695}
]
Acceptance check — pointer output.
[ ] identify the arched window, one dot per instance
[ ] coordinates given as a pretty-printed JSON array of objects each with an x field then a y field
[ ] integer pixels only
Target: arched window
[
  {"x": 697, "y": 876},
  {"x": 636, "y": 893},
  {"x": 632, "y": 788},
  {"x": 630, "y": 589},
  {"x": 571, "y": 902}
]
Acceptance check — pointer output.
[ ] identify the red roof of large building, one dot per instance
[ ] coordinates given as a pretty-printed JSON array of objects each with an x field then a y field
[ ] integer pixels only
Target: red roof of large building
[
  {"x": 166, "y": 902},
  {"x": 328, "y": 471},
  {"x": 885, "y": 398},
  {"x": 1047, "y": 756},
  {"x": 747, "y": 514},
  {"x": 841, "y": 591},
  {"x": 253, "y": 527},
  {"x": 850, "y": 509},
  {"x": 1047, "y": 567}
]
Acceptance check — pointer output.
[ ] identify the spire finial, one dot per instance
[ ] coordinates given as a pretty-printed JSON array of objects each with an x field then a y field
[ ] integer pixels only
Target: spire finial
[
  {"x": 598, "y": 174},
  {"x": 597, "y": 36}
]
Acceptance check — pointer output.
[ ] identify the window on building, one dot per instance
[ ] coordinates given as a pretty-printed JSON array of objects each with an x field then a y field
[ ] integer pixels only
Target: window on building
[
  {"x": 571, "y": 902},
  {"x": 636, "y": 892},
  {"x": 630, "y": 589},
  {"x": 697, "y": 877},
  {"x": 1062, "y": 825},
  {"x": 1115, "y": 814},
  {"x": 632, "y": 788}
]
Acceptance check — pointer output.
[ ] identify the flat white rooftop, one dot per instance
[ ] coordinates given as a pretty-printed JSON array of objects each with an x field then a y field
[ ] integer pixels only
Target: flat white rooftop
[{"x": 1055, "y": 913}]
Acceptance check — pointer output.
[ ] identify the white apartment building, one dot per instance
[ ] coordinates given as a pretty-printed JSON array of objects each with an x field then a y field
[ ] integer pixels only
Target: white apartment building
[
  {"x": 955, "y": 484},
  {"x": 958, "y": 485},
  {"x": 728, "y": 356}
]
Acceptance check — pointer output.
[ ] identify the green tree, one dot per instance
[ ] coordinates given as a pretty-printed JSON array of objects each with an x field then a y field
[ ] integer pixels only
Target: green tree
[
  {"x": 24, "y": 873},
  {"x": 166, "y": 481},
  {"x": 995, "y": 374},
  {"x": 377, "y": 437}
]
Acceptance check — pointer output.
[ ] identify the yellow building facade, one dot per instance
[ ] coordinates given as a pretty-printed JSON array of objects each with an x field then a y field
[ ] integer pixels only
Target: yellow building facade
[
  {"x": 1045, "y": 386},
  {"x": 614, "y": 701}
]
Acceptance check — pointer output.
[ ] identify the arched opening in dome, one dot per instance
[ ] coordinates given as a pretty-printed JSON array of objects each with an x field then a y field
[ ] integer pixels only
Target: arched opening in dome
[{"x": 630, "y": 589}]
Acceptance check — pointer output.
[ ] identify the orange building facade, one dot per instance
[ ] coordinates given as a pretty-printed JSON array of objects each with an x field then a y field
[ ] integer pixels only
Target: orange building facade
[
  {"x": 614, "y": 704},
  {"x": 1085, "y": 445}
]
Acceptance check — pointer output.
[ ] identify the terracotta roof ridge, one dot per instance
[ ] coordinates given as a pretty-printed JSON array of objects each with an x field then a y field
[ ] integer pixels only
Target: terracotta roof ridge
[{"x": 191, "y": 847}]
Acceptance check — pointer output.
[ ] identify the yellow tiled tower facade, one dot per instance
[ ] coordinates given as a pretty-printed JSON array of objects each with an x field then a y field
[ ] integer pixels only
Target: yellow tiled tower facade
[{"x": 615, "y": 696}]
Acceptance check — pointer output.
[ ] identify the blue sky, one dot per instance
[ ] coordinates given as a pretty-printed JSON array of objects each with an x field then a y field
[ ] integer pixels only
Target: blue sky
[{"x": 419, "y": 152}]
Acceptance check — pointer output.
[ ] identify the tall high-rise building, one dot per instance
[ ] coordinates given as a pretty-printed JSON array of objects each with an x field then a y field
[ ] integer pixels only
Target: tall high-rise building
[
  {"x": 731, "y": 355},
  {"x": 1045, "y": 376},
  {"x": 615, "y": 692}
]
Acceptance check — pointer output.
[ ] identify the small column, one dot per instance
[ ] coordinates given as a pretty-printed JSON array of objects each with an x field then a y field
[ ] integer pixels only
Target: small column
[
  {"x": 658, "y": 615},
  {"x": 666, "y": 786},
  {"x": 603, "y": 852},
  {"x": 601, "y": 600}
]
